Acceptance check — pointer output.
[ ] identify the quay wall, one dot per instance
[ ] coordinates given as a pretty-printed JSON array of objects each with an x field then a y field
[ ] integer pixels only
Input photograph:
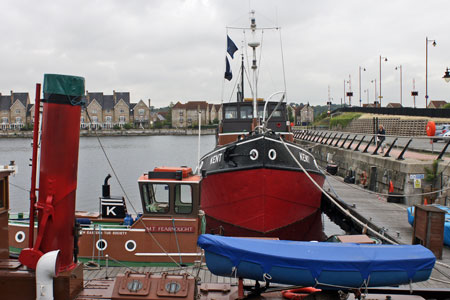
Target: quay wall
[
  {"x": 381, "y": 170},
  {"x": 131, "y": 132}
]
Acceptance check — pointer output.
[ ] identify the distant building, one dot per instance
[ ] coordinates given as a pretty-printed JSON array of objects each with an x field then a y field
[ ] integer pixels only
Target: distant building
[
  {"x": 186, "y": 115},
  {"x": 304, "y": 115},
  {"x": 108, "y": 111},
  {"x": 436, "y": 104},
  {"x": 394, "y": 105},
  {"x": 14, "y": 110}
]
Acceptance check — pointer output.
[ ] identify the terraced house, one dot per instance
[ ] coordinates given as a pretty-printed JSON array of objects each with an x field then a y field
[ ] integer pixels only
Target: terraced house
[
  {"x": 187, "y": 115},
  {"x": 100, "y": 111},
  {"x": 14, "y": 110},
  {"x": 109, "y": 111}
]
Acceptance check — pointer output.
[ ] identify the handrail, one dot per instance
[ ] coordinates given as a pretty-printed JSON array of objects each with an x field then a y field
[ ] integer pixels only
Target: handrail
[{"x": 334, "y": 138}]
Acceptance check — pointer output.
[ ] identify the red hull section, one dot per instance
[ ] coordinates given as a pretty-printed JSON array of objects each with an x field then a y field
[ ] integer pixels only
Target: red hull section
[{"x": 276, "y": 203}]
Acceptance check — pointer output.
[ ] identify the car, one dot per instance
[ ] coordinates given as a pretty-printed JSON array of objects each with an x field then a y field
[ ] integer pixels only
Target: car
[{"x": 440, "y": 131}]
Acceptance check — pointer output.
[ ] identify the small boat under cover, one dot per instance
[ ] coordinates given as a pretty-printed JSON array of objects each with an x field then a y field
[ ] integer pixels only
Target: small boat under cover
[{"x": 323, "y": 265}]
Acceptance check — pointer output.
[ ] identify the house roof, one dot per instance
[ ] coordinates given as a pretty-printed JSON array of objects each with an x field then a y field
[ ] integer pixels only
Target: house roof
[
  {"x": 108, "y": 102},
  {"x": 191, "y": 105},
  {"x": 132, "y": 105},
  {"x": 394, "y": 105},
  {"x": 125, "y": 96},
  {"x": 97, "y": 96},
  {"x": 5, "y": 102},
  {"x": 22, "y": 97},
  {"x": 437, "y": 103}
]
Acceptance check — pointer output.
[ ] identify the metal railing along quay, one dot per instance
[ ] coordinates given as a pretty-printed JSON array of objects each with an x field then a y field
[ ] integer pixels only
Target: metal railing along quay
[{"x": 347, "y": 140}]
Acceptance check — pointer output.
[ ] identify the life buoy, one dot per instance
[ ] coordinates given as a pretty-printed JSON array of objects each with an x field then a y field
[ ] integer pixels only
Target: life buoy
[
  {"x": 363, "y": 178},
  {"x": 431, "y": 128},
  {"x": 299, "y": 294}
]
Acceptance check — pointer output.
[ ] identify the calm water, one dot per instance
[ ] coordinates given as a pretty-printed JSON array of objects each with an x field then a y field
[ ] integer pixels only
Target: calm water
[{"x": 130, "y": 157}]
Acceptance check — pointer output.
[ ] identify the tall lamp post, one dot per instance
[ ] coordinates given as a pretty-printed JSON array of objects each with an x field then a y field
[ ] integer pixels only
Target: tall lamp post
[
  {"x": 401, "y": 88},
  {"x": 364, "y": 69},
  {"x": 426, "y": 67},
  {"x": 366, "y": 91},
  {"x": 385, "y": 59},
  {"x": 375, "y": 91}
]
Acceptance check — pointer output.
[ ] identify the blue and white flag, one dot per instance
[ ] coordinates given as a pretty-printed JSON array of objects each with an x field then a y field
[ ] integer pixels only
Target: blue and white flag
[
  {"x": 231, "y": 47},
  {"x": 228, "y": 74}
]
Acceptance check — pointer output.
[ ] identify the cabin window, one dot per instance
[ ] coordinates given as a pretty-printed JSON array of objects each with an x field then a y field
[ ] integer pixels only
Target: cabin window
[
  {"x": 261, "y": 112},
  {"x": 277, "y": 113},
  {"x": 183, "y": 199},
  {"x": 230, "y": 112},
  {"x": 246, "y": 112},
  {"x": 156, "y": 198}
]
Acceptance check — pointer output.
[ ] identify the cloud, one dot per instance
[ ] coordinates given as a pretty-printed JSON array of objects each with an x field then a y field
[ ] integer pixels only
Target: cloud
[{"x": 174, "y": 50}]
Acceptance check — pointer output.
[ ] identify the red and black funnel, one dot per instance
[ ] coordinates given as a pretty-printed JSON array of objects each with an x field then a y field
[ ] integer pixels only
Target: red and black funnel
[{"x": 60, "y": 138}]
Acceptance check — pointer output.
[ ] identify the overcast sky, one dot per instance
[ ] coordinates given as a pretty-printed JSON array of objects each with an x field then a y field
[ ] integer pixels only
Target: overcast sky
[{"x": 172, "y": 51}]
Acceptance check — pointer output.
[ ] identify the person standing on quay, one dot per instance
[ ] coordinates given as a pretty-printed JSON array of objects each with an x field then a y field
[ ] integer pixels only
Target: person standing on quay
[{"x": 381, "y": 133}]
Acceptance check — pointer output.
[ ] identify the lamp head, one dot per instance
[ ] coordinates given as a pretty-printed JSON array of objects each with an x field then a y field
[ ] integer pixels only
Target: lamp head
[
  {"x": 446, "y": 76},
  {"x": 385, "y": 59},
  {"x": 434, "y": 44}
]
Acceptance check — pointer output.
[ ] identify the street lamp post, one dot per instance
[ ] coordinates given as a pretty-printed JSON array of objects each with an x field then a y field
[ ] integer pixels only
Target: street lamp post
[
  {"x": 375, "y": 91},
  {"x": 385, "y": 59},
  {"x": 426, "y": 67},
  {"x": 401, "y": 88},
  {"x": 366, "y": 91},
  {"x": 364, "y": 69}
]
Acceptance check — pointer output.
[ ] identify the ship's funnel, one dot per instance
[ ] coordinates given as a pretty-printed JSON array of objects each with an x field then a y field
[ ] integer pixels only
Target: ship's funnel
[{"x": 58, "y": 169}]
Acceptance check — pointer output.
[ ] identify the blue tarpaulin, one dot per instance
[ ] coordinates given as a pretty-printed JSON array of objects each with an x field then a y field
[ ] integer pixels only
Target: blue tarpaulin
[{"x": 319, "y": 257}]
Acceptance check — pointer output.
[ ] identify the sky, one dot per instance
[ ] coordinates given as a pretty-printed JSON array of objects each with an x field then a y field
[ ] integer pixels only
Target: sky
[{"x": 174, "y": 50}]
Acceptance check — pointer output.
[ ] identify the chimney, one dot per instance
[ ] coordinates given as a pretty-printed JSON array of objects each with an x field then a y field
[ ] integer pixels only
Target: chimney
[
  {"x": 149, "y": 102},
  {"x": 114, "y": 97},
  {"x": 12, "y": 97}
]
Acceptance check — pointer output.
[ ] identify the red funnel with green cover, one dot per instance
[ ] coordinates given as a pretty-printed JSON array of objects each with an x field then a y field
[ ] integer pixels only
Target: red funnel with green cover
[{"x": 58, "y": 169}]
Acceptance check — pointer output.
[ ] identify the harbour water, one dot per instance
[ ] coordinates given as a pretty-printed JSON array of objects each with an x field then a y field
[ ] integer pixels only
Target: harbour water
[{"x": 130, "y": 157}]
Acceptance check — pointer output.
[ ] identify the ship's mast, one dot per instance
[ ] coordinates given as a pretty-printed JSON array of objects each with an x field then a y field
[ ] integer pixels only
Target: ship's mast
[{"x": 254, "y": 44}]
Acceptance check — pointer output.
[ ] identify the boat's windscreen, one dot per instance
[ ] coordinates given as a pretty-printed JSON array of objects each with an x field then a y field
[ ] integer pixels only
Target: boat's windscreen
[{"x": 156, "y": 197}]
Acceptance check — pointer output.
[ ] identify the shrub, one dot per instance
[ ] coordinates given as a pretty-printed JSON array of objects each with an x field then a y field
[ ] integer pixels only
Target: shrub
[{"x": 343, "y": 120}]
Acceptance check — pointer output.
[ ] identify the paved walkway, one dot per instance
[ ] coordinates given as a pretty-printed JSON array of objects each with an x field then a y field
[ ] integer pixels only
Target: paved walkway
[{"x": 392, "y": 217}]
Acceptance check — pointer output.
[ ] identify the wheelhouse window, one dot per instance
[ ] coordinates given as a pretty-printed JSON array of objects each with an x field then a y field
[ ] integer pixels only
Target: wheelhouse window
[
  {"x": 183, "y": 199},
  {"x": 246, "y": 112},
  {"x": 230, "y": 112},
  {"x": 156, "y": 198},
  {"x": 277, "y": 113},
  {"x": 261, "y": 111}
]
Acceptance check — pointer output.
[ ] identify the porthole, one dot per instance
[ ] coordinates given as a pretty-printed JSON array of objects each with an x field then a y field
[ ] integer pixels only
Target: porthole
[
  {"x": 20, "y": 236},
  {"x": 130, "y": 245},
  {"x": 101, "y": 245},
  {"x": 254, "y": 154},
  {"x": 272, "y": 154}
]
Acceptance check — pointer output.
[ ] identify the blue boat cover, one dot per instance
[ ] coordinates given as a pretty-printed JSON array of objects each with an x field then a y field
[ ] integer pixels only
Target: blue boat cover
[{"x": 317, "y": 257}]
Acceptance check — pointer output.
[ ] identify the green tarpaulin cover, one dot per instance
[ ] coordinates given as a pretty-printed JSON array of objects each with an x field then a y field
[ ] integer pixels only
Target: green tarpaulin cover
[{"x": 63, "y": 85}]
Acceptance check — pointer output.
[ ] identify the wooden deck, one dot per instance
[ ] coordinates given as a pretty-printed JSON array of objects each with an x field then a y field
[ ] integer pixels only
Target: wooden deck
[{"x": 390, "y": 216}]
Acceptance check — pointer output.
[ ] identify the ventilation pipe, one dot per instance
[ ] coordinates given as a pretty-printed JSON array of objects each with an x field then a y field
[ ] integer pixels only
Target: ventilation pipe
[{"x": 46, "y": 270}]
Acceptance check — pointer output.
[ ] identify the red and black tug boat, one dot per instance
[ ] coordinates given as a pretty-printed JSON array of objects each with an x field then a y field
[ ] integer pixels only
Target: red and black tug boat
[{"x": 254, "y": 181}]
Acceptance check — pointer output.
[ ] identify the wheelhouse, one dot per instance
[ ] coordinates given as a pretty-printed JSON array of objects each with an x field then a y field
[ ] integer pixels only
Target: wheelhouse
[
  {"x": 170, "y": 191},
  {"x": 237, "y": 120}
]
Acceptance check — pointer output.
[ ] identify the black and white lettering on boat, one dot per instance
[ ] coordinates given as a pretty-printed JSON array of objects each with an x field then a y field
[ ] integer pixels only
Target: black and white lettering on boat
[{"x": 261, "y": 151}]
